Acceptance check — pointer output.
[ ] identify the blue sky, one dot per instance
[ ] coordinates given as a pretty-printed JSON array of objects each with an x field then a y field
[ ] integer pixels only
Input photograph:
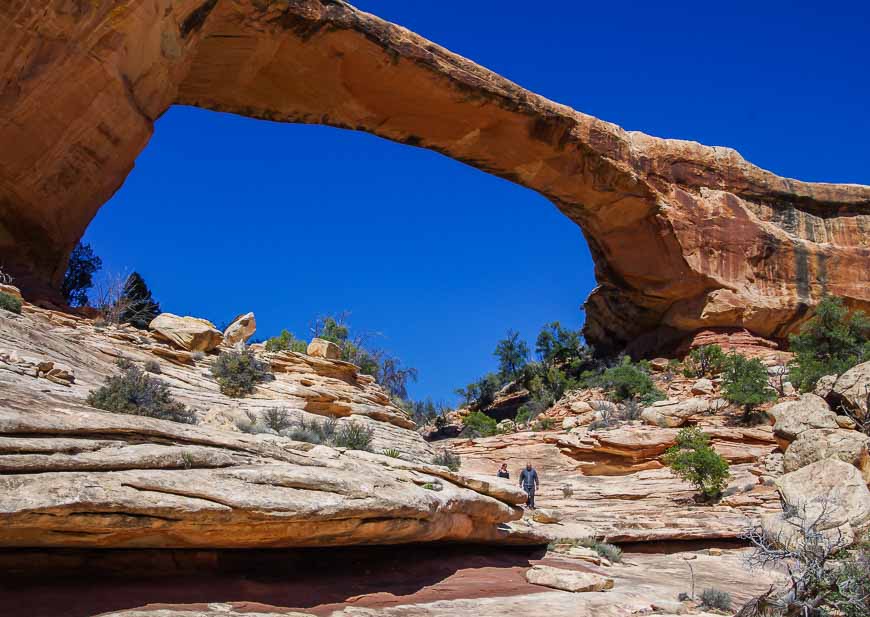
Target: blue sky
[{"x": 223, "y": 215}]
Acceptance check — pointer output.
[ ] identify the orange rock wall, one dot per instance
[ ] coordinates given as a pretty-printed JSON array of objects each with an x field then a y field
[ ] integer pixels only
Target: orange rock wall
[{"x": 684, "y": 236}]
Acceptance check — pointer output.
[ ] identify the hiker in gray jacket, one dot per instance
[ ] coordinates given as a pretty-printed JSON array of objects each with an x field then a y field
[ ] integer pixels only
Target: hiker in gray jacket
[{"x": 529, "y": 483}]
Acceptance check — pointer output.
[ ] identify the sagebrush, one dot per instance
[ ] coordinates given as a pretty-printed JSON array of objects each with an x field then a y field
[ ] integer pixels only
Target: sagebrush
[{"x": 136, "y": 393}]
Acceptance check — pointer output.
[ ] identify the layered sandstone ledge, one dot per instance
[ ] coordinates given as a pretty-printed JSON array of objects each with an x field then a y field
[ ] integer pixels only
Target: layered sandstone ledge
[
  {"x": 74, "y": 476},
  {"x": 684, "y": 236}
]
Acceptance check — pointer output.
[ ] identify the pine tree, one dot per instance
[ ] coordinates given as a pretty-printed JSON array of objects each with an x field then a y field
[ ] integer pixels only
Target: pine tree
[{"x": 138, "y": 308}]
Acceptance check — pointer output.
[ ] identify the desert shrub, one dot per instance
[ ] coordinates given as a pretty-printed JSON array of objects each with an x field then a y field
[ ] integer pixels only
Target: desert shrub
[
  {"x": 324, "y": 429},
  {"x": 830, "y": 343},
  {"x": 826, "y": 577},
  {"x": 630, "y": 380},
  {"x": 10, "y": 303},
  {"x": 79, "y": 277},
  {"x": 446, "y": 458},
  {"x": 238, "y": 372},
  {"x": 716, "y": 598},
  {"x": 286, "y": 342},
  {"x": 745, "y": 383},
  {"x": 524, "y": 414},
  {"x": 250, "y": 423},
  {"x": 693, "y": 460},
  {"x": 632, "y": 409},
  {"x": 567, "y": 491},
  {"x": 304, "y": 434},
  {"x": 276, "y": 419},
  {"x": 544, "y": 424},
  {"x": 607, "y": 415},
  {"x": 354, "y": 436},
  {"x": 531, "y": 410},
  {"x": 152, "y": 366},
  {"x": 608, "y": 551},
  {"x": 392, "y": 453},
  {"x": 136, "y": 393},
  {"x": 478, "y": 424},
  {"x": 706, "y": 361}
]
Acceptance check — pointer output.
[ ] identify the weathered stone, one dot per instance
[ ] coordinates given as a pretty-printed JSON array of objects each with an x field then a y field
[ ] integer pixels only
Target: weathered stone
[
  {"x": 320, "y": 348},
  {"x": 190, "y": 333},
  {"x": 662, "y": 215},
  {"x": 852, "y": 390},
  {"x": 818, "y": 444},
  {"x": 824, "y": 386},
  {"x": 12, "y": 290},
  {"x": 568, "y": 580},
  {"x": 240, "y": 330},
  {"x": 829, "y": 492},
  {"x": 702, "y": 386},
  {"x": 546, "y": 517},
  {"x": 674, "y": 413},
  {"x": 794, "y": 417}
]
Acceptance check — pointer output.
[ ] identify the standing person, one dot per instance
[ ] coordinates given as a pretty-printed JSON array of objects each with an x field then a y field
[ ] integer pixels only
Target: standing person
[
  {"x": 529, "y": 483},
  {"x": 503, "y": 471}
]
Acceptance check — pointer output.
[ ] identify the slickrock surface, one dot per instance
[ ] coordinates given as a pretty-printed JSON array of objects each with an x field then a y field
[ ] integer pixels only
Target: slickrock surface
[
  {"x": 610, "y": 483},
  {"x": 684, "y": 236},
  {"x": 75, "y": 476}
]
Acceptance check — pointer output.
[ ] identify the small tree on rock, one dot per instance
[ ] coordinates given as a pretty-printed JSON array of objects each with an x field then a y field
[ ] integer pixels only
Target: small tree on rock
[
  {"x": 79, "y": 277},
  {"x": 830, "y": 343},
  {"x": 512, "y": 354},
  {"x": 138, "y": 307},
  {"x": 745, "y": 383},
  {"x": 694, "y": 460},
  {"x": 706, "y": 361}
]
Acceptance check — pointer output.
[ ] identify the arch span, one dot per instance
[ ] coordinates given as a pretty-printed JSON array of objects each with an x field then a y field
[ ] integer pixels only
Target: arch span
[{"x": 684, "y": 236}]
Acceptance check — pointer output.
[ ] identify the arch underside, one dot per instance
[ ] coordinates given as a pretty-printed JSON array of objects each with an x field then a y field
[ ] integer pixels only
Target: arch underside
[{"x": 683, "y": 236}]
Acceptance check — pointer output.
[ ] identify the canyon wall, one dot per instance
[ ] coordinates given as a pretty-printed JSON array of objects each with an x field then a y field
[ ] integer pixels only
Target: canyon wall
[{"x": 684, "y": 236}]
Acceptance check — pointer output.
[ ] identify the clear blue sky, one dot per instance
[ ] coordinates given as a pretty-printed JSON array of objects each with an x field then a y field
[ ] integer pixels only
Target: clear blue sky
[{"x": 223, "y": 215}]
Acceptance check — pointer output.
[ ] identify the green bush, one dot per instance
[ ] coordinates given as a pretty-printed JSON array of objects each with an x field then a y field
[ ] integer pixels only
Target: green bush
[
  {"x": 478, "y": 424},
  {"x": 286, "y": 342},
  {"x": 706, "y": 361},
  {"x": 830, "y": 343},
  {"x": 354, "y": 436},
  {"x": 544, "y": 424},
  {"x": 693, "y": 460},
  {"x": 392, "y": 453},
  {"x": 276, "y": 419},
  {"x": 628, "y": 380},
  {"x": 136, "y": 393},
  {"x": 745, "y": 383},
  {"x": 238, "y": 372},
  {"x": 609, "y": 551},
  {"x": 10, "y": 303},
  {"x": 446, "y": 458},
  {"x": 716, "y": 598}
]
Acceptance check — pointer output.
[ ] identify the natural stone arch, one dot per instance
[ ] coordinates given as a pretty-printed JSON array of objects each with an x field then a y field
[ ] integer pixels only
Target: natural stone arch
[{"x": 683, "y": 236}]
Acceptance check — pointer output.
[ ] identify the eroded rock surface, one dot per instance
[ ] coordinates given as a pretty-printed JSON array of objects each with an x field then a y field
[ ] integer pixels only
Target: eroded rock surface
[
  {"x": 661, "y": 216},
  {"x": 73, "y": 476}
]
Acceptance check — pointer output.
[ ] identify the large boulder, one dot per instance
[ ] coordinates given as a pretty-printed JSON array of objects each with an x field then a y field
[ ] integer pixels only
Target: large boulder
[
  {"x": 852, "y": 390},
  {"x": 794, "y": 417},
  {"x": 674, "y": 413},
  {"x": 818, "y": 444},
  {"x": 830, "y": 494},
  {"x": 190, "y": 333},
  {"x": 241, "y": 329},
  {"x": 320, "y": 348},
  {"x": 567, "y": 580}
]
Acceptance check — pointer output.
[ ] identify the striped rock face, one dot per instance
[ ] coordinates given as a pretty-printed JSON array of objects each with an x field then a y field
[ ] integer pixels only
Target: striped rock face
[{"x": 684, "y": 236}]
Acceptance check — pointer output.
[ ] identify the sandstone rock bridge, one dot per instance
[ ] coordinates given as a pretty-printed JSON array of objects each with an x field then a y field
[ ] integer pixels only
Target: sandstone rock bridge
[{"x": 684, "y": 236}]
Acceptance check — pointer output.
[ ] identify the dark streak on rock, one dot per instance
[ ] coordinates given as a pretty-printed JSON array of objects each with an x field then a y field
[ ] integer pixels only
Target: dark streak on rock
[{"x": 196, "y": 19}]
